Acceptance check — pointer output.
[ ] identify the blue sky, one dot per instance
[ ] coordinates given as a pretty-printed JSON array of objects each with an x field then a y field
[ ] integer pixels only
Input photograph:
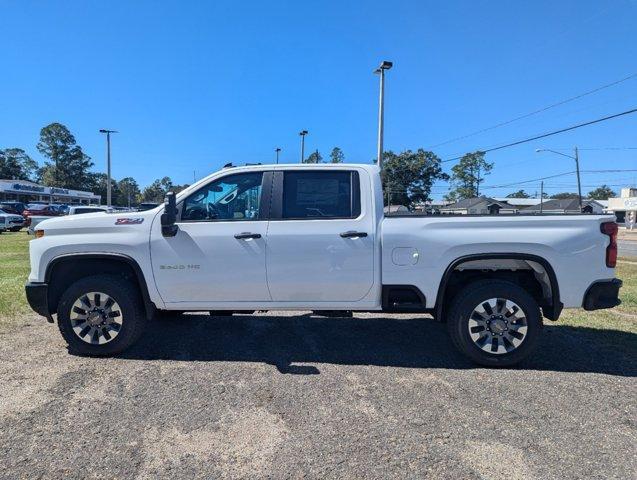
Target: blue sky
[{"x": 194, "y": 85}]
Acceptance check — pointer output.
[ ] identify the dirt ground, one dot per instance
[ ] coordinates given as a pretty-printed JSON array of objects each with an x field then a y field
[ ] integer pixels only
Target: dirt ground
[{"x": 289, "y": 396}]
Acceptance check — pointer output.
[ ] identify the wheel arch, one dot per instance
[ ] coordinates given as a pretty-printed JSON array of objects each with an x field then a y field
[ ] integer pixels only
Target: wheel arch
[
  {"x": 551, "y": 309},
  {"x": 79, "y": 265}
]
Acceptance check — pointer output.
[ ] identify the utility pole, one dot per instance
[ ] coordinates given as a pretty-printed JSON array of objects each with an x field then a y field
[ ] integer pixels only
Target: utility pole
[
  {"x": 385, "y": 65},
  {"x": 541, "y": 195},
  {"x": 478, "y": 181},
  {"x": 303, "y": 133},
  {"x": 277, "y": 150},
  {"x": 108, "y": 164},
  {"x": 579, "y": 184}
]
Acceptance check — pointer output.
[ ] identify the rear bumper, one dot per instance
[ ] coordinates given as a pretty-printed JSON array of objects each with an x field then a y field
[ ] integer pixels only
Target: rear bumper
[
  {"x": 602, "y": 294},
  {"x": 38, "y": 298}
]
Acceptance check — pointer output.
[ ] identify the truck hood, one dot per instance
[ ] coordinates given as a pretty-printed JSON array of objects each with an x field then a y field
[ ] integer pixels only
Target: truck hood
[{"x": 98, "y": 222}]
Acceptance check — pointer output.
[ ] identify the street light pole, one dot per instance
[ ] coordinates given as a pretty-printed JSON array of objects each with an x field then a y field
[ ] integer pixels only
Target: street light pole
[
  {"x": 541, "y": 195},
  {"x": 385, "y": 65},
  {"x": 277, "y": 150},
  {"x": 576, "y": 158},
  {"x": 108, "y": 164},
  {"x": 303, "y": 133}
]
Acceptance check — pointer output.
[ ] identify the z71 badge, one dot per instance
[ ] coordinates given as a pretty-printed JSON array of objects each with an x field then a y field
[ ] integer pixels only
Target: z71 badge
[{"x": 128, "y": 221}]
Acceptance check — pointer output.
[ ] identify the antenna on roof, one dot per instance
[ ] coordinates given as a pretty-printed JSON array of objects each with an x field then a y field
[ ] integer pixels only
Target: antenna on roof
[{"x": 228, "y": 165}]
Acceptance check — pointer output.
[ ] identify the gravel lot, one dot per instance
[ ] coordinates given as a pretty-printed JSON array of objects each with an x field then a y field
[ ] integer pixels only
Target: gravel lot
[{"x": 283, "y": 396}]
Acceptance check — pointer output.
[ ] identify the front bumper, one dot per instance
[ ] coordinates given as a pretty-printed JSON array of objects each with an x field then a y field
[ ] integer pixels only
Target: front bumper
[
  {"x": 602, "y": 294},
  {"x": 38, "y": 298}
]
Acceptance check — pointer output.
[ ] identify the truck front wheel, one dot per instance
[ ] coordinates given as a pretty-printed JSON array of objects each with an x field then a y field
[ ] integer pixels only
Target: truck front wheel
[
  {"x": 101, "y": 315},
  {"x": 495, "y": 323}
]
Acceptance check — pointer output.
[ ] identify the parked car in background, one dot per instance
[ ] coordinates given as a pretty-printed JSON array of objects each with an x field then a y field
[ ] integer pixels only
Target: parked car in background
[
  {"x": 12, "y": 221},
  {"x": 61, "y": 207},
  {"x": 77, "y": 209},
  {"x": 146, "y": 206},
  {"x": 42, "y": 210},
  {"x": 10, "y": 206}
]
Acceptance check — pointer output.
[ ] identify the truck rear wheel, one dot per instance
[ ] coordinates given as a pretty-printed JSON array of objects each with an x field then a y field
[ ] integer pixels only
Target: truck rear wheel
[
  {"x": 101, "y": 315},
  {"x": 495, "y": 323}
]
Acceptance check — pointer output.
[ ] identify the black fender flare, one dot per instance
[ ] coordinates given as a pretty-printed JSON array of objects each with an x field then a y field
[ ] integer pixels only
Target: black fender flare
[
  {"x": 551, "y": 311},
  {"x": 149, "y": 306}
]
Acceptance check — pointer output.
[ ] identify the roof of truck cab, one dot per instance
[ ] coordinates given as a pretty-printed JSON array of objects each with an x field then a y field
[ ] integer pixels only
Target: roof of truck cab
[{"x": 279, "y": 166}]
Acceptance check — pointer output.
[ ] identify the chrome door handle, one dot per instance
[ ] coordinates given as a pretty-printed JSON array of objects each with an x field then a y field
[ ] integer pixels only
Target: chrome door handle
[
  {"x": 246, "y": 235},
  {"x": 352, "y": 234}
]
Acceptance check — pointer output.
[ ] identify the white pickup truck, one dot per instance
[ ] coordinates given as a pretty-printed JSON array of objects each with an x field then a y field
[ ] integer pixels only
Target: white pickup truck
[{"x": 314, "y": 237}]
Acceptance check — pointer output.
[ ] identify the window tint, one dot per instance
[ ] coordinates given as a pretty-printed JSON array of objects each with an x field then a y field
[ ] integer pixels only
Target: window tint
[
  {"x": 234, "y": 197},
  {"x": 319, "y": 195}
]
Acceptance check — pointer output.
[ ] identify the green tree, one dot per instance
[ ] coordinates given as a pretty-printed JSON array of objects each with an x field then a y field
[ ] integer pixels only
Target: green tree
[
  {"x": 179, "y": 188},
  {"x": 69, "y": 165},
  {"x": 518, "y": 194},
  {"x": 156, "y": 191},
  {"x": 15, "y": 164},
  {"x": 602, "y": 193},
  {"x": 98, "y": 185},
  {"x": 315, "y": 157},
  {"x": 564, "y": 195},
  {"x": 468, "y": 174},
  {"x": 408, "y": 176},
  {"x": 128, "y": 191},
  {"x": 337, "y": 155}
]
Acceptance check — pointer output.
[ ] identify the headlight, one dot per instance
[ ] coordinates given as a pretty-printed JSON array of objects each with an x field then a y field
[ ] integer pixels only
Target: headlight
[{"x": 39, "y": 233}]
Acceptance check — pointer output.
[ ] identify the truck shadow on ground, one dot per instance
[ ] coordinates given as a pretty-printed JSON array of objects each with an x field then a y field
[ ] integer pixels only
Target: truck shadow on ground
[{"x": 418, "y": 342}]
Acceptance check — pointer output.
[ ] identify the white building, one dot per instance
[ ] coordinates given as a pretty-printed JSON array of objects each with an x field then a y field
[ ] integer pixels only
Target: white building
[
  {"x": 29, "y": 192},
  {"x": 626, "y": 202}
]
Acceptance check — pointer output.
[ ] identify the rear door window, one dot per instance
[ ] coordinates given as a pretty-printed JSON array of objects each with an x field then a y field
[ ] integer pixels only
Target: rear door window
[{"x": 321, "y": 195}]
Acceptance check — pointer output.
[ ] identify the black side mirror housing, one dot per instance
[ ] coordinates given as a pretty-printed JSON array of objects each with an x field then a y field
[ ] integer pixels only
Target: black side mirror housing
[{"x": 169, "y": 217}]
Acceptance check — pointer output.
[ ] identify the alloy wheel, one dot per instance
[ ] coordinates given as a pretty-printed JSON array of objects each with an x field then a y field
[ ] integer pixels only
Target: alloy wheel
[
  {"x": 96, "y": 318},
  {"x": 497, "y": 326}
]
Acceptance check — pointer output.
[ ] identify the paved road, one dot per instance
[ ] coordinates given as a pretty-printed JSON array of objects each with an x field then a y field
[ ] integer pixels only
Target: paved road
[
  {"x": 627, "y": 248},
  {"x": 288, "y": 397}
]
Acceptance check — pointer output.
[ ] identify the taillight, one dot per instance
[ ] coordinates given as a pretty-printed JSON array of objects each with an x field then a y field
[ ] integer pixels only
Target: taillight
[{"x": 610, "y": 229}]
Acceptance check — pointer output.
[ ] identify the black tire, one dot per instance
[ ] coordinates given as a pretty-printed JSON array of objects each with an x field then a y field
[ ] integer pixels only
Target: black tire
[
  {"x": 16, "y": 229},
  {"x": 127, "y": 297},
  {"x": 462, "y": 307}
]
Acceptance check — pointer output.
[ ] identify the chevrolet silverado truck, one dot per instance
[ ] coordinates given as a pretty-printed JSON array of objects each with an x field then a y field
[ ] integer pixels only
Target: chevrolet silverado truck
[{"x": 314, "y": 237}]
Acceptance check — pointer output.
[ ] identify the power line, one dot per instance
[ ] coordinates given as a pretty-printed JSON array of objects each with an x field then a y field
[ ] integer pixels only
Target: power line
[
  {"x": 554, "y": 176},
  {"x": 549, "y": 134},
  {"x": 597, "y": 148},
  {"x": 535, "y": 112},
  {"x": 528, "y": 181}
]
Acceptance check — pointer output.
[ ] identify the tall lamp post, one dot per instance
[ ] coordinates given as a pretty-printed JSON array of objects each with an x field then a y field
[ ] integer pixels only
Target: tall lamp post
[
  {"x": 385, "y": 65},
  {"x": 576, "y": 158},
  {"x": 277, "y": 150},
  {"x": 303, "y": 133},
  {"x": 108, "y": 164}
]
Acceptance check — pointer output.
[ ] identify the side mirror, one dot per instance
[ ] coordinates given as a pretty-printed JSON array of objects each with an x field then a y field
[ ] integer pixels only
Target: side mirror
[{"x": 169, "y": 217}]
